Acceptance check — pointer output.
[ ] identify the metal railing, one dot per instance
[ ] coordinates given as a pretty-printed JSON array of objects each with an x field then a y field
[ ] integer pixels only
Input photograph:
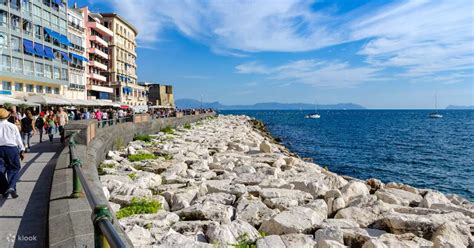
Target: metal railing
[
  {"x": 115, "y": 121},
  {"x": 105, "y": 234}
]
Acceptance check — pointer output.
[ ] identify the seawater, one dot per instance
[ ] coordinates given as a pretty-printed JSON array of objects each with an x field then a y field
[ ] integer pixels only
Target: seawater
[{"x": 391, "y": 145}]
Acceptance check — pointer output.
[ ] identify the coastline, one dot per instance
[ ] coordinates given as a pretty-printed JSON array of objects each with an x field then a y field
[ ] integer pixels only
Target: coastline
[{"x": 229, "y": 182}]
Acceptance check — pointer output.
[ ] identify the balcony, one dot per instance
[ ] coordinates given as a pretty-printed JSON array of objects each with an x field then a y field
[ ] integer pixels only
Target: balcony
[
  {"x": 100, "y": 88},
  {"x": 98, "y": 65},
  {"x": 98, "y": 52},
  {"x": 99, "y": 40},
  {"x": 100, "y": 28},
  {"x": 97, "y": 77}
]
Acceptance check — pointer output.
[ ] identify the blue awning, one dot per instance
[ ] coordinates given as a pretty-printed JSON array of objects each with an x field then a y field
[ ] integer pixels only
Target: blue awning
[
  {"x": 51, "y": 33},
  {"x": 65, "y": 57},
  {"x": 28, "y": 45},
  {"x": 64, "y": 40},
  {"x": 79, "y": 57},
  {"x": 49, "y": 52},
  {"x": 39, "y": 50},
  {"x": 58, "y": 2}
]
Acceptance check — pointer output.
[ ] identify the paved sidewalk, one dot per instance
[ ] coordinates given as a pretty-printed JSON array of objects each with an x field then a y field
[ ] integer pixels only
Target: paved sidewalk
[{"x": 24, "y": 221}]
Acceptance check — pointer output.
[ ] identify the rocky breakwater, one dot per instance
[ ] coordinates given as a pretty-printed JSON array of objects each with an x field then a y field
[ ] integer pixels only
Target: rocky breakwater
[{"x": 223, "y": 182}]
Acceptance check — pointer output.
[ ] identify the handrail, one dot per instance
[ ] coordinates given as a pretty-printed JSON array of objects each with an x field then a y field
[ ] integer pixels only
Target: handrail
[{"x": 105, "y": 234}]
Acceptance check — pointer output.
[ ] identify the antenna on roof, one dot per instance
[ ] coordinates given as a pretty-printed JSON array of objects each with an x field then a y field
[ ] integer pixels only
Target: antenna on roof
[{"x": 75, "y": 4}]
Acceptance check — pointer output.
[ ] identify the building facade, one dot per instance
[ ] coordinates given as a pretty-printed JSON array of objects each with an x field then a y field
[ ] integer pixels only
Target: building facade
[
  {"x": 97, "y": 50},
  {"x": 159, "y": 95},
  {"x": 76, "y": 87},
  {"x": 122, "y": 72},
  {"x": 34, "y": 47}
]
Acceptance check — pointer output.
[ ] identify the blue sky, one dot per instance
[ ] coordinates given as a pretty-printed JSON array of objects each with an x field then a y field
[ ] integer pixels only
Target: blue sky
[{"x": 381, "y": 54}]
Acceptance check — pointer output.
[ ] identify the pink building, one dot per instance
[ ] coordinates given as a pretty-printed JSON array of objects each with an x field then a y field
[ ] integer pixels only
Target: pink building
[{"x": 97, "y": 48}]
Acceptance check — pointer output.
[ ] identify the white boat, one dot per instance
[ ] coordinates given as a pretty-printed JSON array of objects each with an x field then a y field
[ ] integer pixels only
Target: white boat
[
  {"x": 435, "y": 114},
  {"x": 312, "y": 116}
]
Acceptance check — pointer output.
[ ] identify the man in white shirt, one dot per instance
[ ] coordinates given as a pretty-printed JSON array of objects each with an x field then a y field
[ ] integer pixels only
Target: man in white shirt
[{"x": 11, "y": 151}]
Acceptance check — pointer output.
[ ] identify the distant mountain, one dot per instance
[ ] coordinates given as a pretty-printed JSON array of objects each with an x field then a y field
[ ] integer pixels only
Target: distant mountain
[
  {"x": 459, "y": 107},
  {"x": 192, "y": 103}
]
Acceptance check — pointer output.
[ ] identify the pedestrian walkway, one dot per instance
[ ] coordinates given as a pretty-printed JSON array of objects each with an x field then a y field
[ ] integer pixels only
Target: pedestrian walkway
[{"x": 24, "y": 220}]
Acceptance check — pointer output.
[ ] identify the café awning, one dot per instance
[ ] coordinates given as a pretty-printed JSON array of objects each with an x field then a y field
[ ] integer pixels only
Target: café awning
[
  {"x": 47, "y": 100},
  {"x": 16, "y": 102}
]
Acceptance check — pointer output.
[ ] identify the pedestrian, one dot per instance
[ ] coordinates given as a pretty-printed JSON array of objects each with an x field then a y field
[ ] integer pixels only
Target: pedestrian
[
  {"x": 11, "y": 152},
  {"x": 28, "y": 129},
  {"x": 39, "y": 124},
  {"x": 61, "y": 121},
  {"x": 51, "y": 122},
  {"x": 78, "y": 115}
]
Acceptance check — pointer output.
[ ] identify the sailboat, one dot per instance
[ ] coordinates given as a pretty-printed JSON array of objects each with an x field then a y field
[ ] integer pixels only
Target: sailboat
[
  {"x": 314, "y": 115},
  {"x": 435, "y": 114}
]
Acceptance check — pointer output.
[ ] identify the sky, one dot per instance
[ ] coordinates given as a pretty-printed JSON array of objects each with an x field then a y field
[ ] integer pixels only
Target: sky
[{"x": 380, "y": 54}]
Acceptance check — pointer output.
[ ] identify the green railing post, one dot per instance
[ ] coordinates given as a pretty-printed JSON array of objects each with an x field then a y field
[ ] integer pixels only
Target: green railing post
[
  {"x": 74, "y": 162},
  {"x": 100, "y": 212}
]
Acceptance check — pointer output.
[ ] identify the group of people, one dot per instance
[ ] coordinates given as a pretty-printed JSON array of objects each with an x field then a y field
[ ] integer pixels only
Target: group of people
[{"x": 99, "y": 114}]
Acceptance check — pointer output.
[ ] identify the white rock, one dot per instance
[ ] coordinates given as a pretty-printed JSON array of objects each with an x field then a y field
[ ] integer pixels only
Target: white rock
[
  {"x": 354, "y": 189},
  {"x": 232, "y": 233},
  {"x": 407, "y": 240},
  {"x": 332, "y": 233},
  {"x": 330, "y": 244},
  {"x": 174, "y": 239},
  {"x": 265, "y": 147},
  {"x": 222, "y": 198},
  {"x": 131, "y": 150},
  {"x": 300, "y": 196},
  {"x": 452, "y": 235},
  {"x": 294, "y": 220},
  {"x": 398, "y": 197},
  {"x": 139, "y": 236},
  {"x": 207, "y": 211},
  {"x": 434, "y": 197},
  {"x": 253, "y": 211}
]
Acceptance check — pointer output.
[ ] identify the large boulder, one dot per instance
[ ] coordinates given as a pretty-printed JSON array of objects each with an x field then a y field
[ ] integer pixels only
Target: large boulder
[
  {"x": 232, "y": 233},
  {"x": 207, "y": 211},
  {"x": 356, "y": 237},
  {"x": 253, "y": 211},
  {"x": 294, "y": 220},
  {"x": 174, "y": 239},
  {"x": 225, "y": 186},
  {"x": 434, "y": 197},
  {"x": 174, "y": 172},
  {"x": 286, "y": 241},
  {"x": 452, "y": 235},
  {"x": 407, "y": 240},
  {"x": 398, "y": 197},
  {"x": 265, "y": 147},
  {"x": 300, "y": 196},
  {"x": 222, "y": 198},
  {"x": 332, "y": 233},
  {"x": 354, "y": 189}
]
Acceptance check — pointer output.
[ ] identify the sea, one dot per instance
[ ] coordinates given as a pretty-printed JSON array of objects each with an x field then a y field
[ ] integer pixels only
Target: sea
[{"x": 391, "y": 145}]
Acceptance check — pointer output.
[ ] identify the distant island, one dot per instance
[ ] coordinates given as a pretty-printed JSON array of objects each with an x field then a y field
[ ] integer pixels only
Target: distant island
[
  {"x": 192, "y": 103},
  {"x": 451, "y": 107}
]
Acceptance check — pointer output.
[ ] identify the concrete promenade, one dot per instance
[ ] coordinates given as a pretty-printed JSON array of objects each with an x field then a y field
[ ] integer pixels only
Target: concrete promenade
[{"x": 24, "y": 221}]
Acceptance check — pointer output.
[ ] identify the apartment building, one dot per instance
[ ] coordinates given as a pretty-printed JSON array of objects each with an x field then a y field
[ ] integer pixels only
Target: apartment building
[
  {"x": 159, "y": 95},
  {"x": 97, "y": 50},
  {"x": 34, "y": 48},
  {"x": 76, "y": 87},
  {"x": 122, "y": 64}
]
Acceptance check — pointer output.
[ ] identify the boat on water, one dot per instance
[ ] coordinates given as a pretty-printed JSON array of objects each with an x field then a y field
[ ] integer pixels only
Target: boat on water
[
  {"x": 312, "y": 116},
  {"x": 435, "y": 114}
]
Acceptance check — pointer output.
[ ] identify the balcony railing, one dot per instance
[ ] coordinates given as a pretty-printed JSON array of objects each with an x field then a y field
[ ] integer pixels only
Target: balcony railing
[
  {"x": 100, "y": 28},
  {"x": 99, "y": 40},
  {"x": 97, "y": 77},
  {"x": 98, "y": 65},
  {"x": 94, "y": 50}
]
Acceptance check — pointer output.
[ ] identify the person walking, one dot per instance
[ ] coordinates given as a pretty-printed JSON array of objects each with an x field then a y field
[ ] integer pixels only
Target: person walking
[
  {"x": 39, "y": 124},
  {"x": 28, "y": 129},
  {"x": 11, "y": 152},
  {"x": 62, "y": 120},
  {"x": 51, "y": 123}
]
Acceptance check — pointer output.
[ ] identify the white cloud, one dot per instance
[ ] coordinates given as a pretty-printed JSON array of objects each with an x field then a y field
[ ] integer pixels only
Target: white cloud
[{"x": 333, "y": 74}]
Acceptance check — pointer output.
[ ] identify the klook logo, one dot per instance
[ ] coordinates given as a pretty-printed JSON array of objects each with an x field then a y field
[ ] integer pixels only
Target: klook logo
[{"x": 21, "y": 238}]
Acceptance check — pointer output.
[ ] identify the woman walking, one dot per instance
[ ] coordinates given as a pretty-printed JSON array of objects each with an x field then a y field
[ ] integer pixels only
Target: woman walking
[
  {"x": 39, "y": 124},
  {"x": 27, "y": 129},
  {"x": 51, "y": 122}
]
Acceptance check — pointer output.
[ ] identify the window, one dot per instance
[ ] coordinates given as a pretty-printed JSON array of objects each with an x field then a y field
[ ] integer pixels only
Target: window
[
  {"x": 56, "y": 73},
  {"x": 15, "y": 4},
  {"x": 15, "y": 22},
  {"x": 5, "y": 63},
  {"x": 56, "y": 91},
  {"x": 48, "y": 90},
  {"x": 47, "y": 71},
  {"x": 19, "y": 87},
  {"x": 39, "y": 89},
  {"x": 3, "y": 40},
  {"x": 39, "y": 69},
  {"x": 17, "y": 65},
  {"x": 46, "y": 16},
  {"x": 3, "y": 18},
  {"x": 64, "y": 74},
  {"x": 15, "y": 43},
  {"x": 6, "y": 85},
  {"x": 38, "y": 30},
  {"x": 28, "y": 65},
  {"x": 36, "y": 14},
  {"x": 29, "y": 88}
]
